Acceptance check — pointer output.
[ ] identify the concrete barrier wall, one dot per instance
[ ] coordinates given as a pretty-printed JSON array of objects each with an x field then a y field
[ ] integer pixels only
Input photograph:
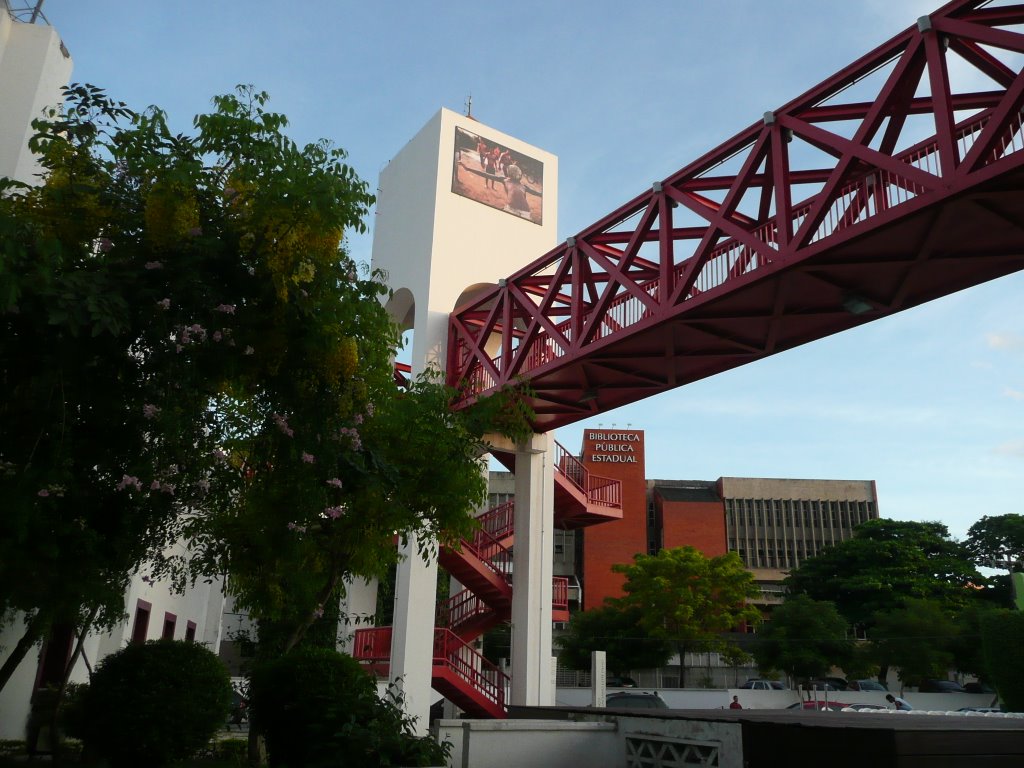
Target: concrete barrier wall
[
  {"x": 515, "y": 743},
  {"x": 711, "y": 698}
]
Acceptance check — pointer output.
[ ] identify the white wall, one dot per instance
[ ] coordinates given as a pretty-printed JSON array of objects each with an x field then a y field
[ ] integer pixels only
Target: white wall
[{"x": 517, "y": 743}]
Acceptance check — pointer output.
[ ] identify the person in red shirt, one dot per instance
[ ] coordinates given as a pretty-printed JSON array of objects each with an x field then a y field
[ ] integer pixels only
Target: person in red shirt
[{"x": 735, "y": 703}]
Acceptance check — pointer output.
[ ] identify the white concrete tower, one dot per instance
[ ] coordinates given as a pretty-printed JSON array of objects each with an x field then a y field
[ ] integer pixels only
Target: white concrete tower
[
  {"x": 34, "y": 66},
  {"x": 461, "y": 206}
]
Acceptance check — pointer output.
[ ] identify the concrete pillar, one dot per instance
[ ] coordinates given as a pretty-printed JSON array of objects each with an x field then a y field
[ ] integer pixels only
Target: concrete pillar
[
  {"x": 357, "y": 608},
  {"x": 532, "y": 572},
  {"x": 412, "y": 639}
]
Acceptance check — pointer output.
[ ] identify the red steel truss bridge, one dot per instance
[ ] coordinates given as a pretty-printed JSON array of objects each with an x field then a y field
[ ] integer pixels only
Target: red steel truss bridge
[{"x": 883, "y": 187}]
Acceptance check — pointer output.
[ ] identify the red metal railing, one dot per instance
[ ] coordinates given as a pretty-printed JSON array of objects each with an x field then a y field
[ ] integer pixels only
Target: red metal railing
[
  {"x": 604, "y": 491},
  {"x": 498, "y": 521},
  {"x": 560, "y": 593},
  {"x": 485, "y": 678},
  {"x": 374, "y": 645}
]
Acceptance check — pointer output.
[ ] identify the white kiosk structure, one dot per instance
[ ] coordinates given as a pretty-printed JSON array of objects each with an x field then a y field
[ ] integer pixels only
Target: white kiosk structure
[{"x": 459, "y": 208}]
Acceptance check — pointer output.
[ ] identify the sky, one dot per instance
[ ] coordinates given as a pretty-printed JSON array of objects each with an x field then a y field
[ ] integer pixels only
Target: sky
[{"x": 928, "y": 403}]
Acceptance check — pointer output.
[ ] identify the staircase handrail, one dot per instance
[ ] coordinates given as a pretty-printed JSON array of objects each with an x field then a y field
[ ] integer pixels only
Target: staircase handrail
[
  {"x": 465, "y": 604},
  {"x": 605, "y": 491},
  {"x": 491, "y": 551},
  {"x": 498, "y": 521},
  {"x": 471, "y": 666},
  {"x": 559, "y": 593}
]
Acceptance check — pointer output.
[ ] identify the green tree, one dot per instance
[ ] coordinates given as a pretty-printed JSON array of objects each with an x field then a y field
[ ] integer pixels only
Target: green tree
[
  {"x": 998, "y": 542},
  {"x": 620, "y": 633},
  {"x": 885, "y": 563},
  {"x": 688, "y": 599},
  {"x": 918, "y": 639},
  {"x": 189, "y": 352},
  {"x": 804, "y": 638}
]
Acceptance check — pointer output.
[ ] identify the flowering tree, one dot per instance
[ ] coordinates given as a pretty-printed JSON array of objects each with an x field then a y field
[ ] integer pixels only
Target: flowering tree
[{"x": 188, "y": 351}]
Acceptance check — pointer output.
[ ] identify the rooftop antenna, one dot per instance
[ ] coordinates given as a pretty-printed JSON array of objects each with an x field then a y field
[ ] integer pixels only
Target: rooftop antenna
[{"x": 469, "y": 106}]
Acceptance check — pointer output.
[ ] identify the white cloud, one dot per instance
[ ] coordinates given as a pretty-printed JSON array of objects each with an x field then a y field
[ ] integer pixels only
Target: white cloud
[
  {"x": 1016, "y": 394},
  {"x": 1011, "y": 448},
  {"x": 1005, "y": 341}
]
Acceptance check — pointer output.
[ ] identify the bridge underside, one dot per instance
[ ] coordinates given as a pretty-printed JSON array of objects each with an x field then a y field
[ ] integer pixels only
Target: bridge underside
[{"x": 938, "y": 250}]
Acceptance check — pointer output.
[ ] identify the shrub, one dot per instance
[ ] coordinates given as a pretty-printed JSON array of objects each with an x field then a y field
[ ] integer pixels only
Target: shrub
[
  {"x": 1001, "y": 632},
  {"x": 151, "y": 703},
  {"x": 318, "y": 708}
]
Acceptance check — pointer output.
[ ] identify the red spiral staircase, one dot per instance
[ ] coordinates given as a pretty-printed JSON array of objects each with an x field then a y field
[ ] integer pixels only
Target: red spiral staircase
[{"x": 483, "y": 565}]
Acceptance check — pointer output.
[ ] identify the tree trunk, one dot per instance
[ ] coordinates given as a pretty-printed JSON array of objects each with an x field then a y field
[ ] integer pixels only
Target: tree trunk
[
  {"x": 56, "y": 735},
  {"x": 323, "y": 597},
  {"x": 34, "y": 630}
]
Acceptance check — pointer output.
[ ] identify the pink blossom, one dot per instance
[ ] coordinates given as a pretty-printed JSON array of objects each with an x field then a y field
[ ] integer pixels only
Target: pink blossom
[
  {"x": 369, "y": 409},
  {"x": 358, "y": 418},
  {"x": 155, "y": 485},
  {"x": 154, "y": 265},
  {"x": 335, "y": 482},
  {"x": 203, "y": 485},
  {"x": 150, "y": 411},
  {"x": 129, "y": 480},
  {"x": 178, "y": 348},
  {"x": 227, "y": 309},
  {"x": 168, "y": 488},
  {"x": 219, "y": 454},
  {"x": 164, "y": 303},
  {"x": 282, "y": 424},
  {"x": 297, "y": 528},
  {"x": 217, "y": 336},
  {"x": 308, "y": 458},
  {"x": 105, "y": 245},
  {"x": 334, "y": 512},
  {"x": 43, "y": 493},
  {"x": 319, "y": 611}
]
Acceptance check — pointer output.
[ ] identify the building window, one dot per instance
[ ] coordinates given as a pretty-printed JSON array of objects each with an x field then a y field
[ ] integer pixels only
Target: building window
[
  {"x": 140, "y": 627},
  {"x": 170, "y": 621},
  {"x": 190, "y": 631}
]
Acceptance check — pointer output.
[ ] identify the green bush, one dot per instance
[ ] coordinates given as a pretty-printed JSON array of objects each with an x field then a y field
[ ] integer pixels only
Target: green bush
[
  {"x": 1001, "y": 633},
  {"x": 151, "y": 703},
  {"x": 319, "y": 709}
]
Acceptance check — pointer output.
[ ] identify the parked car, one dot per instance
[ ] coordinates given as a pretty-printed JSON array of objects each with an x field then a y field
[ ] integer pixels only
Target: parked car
[
  {"x": 635, "y": 700},
  {"x": 940, "y": 686},
  {"x": 978, "y": 687},
  {"x": 763, "y": 685},
  {"x": 825, "y": 684},
  {"x": 866, "y": 707},
  {"x": 866, "y": 685},
  {"x": 615, "y": 681},
  {"x": 833, "y": 706}
]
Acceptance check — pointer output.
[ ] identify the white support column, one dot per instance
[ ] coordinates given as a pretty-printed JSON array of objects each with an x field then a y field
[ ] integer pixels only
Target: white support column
[
  {"x": 532, "y": 572},
  {"x": 598, "y": 679},
  {"x": 412, "y": 639},
  {"x": 357, "y": 606}
]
